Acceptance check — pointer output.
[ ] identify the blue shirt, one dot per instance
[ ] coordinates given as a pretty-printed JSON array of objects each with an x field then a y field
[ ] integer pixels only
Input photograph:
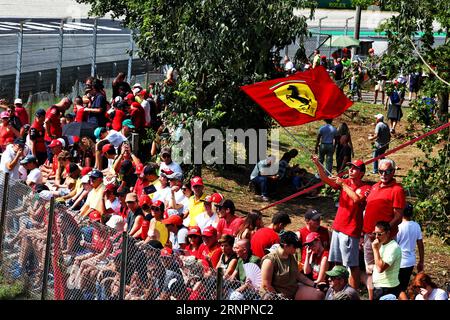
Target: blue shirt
[{"x": 328, "y": 132}]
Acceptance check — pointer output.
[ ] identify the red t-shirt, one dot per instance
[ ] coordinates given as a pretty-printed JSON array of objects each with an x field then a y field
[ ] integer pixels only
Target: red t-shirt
[
  {"x": 381, "y": 203},
  {"x": 262, "y": 239},
  {"x": 349, "y": 217},
  {"x": 100, "y": 241},
  {"x": 139, "y": 186},
  {"x": 324, "y": 238},
  {"x": 119, "y": 116},
  {"x": 138, "y": 116},
  {"x": 37, "y": 134},
  {"x": 22, "y": 114},
  {"x": 197, "y": 253},
  {"x": 80, "y": 115},
  {"x": 52, "y": 116},
  {"x": 213, "y": 253},
  {"x": 145, "y": 227},
  {"x": 229, "y": 228},
  {"x": 315, "y": 265},
  {"x": 6, "y": 136}
]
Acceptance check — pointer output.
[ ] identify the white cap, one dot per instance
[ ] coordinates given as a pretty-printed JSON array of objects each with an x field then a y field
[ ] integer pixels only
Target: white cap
[
  {"x": 379, "y": 116},
  {"x": 18, "y": 101},
  {"x": 63, "y": 142},
  {"x": 137, "y": 85},
  {"x": 136, "y": 90},
  {"x": 116, "y": 222},
  {"x": 85, "y": 179}
]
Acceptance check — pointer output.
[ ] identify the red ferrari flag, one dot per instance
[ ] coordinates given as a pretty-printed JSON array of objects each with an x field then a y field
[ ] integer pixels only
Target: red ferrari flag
[{"x": 301, "y": 98}]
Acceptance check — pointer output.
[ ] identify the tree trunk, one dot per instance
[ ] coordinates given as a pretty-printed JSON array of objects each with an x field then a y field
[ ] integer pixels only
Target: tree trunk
[{"x": 443, "y": 104}]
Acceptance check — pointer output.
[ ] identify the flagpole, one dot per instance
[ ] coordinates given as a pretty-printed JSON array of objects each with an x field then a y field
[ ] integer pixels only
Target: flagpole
[{"x": 303, "y": 146}]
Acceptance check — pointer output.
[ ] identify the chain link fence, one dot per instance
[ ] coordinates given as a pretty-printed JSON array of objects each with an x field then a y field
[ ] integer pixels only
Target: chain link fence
[{"x": 59, "y": 255}]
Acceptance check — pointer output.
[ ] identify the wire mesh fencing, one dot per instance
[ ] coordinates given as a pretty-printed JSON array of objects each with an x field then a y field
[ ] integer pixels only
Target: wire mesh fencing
[{"x": 59, "y": 255}]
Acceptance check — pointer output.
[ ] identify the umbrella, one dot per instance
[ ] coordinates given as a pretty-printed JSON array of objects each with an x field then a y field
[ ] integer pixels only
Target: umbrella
[
  {"x": 343, "y": 42},
  {"x": 79, "y": 129}
]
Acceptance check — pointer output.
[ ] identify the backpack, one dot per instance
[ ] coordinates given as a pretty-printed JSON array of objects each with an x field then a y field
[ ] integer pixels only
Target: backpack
[{"x": 395, "y": 97}]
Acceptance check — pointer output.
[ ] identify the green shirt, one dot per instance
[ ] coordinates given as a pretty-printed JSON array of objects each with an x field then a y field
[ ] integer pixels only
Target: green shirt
[
  {"x": 240, "y": 266},
  {"x": 392, "y": 255}
]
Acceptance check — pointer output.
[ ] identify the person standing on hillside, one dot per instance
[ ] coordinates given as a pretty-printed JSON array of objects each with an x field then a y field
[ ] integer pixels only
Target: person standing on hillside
[
  {"x": 347, "y": 226},
  {"x": 325, "y": 144},
  {"x": 382, "y": 137}
]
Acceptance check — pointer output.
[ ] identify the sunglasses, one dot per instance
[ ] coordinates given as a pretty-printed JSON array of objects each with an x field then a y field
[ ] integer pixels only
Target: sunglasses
[
  {"x": 165, "y": 156},
  {"x": 184, "y": 189},
  {"x": 155, "y": 208},
  {"x": 388, "y": 171},
  {"x": 378, "y": 234}
]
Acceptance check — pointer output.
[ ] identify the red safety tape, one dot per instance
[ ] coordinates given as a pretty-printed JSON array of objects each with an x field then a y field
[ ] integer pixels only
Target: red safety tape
[{"x": 295, "y": 195}]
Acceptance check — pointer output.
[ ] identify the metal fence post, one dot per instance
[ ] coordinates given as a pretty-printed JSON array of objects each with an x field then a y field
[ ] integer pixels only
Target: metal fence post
[
  {"x": 48, "y": 246},
  {"x": 58, "y": 69},
  {"x": 219, "y": 292},
  {"x": 320, "y": 31},
  {"x": 19, "y": 60},
  {"x": 130, "y": 58},
  {"x": 94, "y": 48},
  {"x": 123, "y": 268},
  {"x": 3, "y": 212}
]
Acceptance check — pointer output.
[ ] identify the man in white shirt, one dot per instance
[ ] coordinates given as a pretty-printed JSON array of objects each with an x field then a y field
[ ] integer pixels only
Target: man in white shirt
[
  {"x": 209, "y": 217},
  {"x": 11, "y": 157},
  {"x": 34, "y": 176},
  {"x": 167, "y": 165},
  {"x": 175, "y": 198}
]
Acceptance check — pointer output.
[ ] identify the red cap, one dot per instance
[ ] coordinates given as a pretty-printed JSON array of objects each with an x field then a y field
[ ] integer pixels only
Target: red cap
[
  {"x": 217, "y": 198},
  {"x": 145, "y": 199},
  {"x": 323, "y": 57},
  {"x": 107, "y": 147},
  {"x": 130, "y": 96},
  {"x": 111, "y": 187},
  {"x": 86, "y": 170},
  {"x": 55, "y": 143},
  {"x": 194, "y": 231},
  {"x": 143, "y": 92},
  {"x": 135, "y": 104},
  {"x": 94, "y": 215},
  {"x": 196, "y": 181},
  {"x": 359, "y": 164},
  {"x": 167, "y": 172},
  {"x": 139, "y": 168},
  {"x": 209, "y": 231},
  {"x": 311, "y": 237},
  {"x": 174, "y": 219},
  {"x": 157, "y": 203},
  {"x": 166, "y": 252}
]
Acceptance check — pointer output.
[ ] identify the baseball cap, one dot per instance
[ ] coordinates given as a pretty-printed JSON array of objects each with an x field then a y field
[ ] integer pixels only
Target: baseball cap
[
  {"x": 289, "y": 237},
  {"x": 108, "y": 148},
  {"x": 166, "y": 252},
  {"x": 379, "y": 116},
  {"x": 19, "y": 141},
  {"x": 158, "y": 204},
  {"x": 194, "y": 231},
  {"x": 94, "y": 215},
  {"x": 135, "y": 104},
  {"x": 166, "y": 150},
  {"x": 174, "y": 219},
  {"x": 98, "y": 131},
  {"x": 136, "y": 90},
  {"x": 86, "y": 170},
  {"x": 4, "y": 114},
  {"x": 28, "y": 159},
  {"x": 139, "y": 168},
  {"x": 129, "y": 96},
  {"x": 145, "y": 200},
  {"x": 137, "y": 85},
  {"x": 312, "y": 214},
  {"x": 131, "y": 197},
  {"x": 338, "y": 271},
  {"x": 196, "y": 181},
  {"x": 128, "y": 123},
  {"x": 18, "y": 101},
  {"x": 55, "y": 143},
  {"x": 116, "y": 222},
  {"x": 216, "y": 198},
  {"x": 96, "y": 174},
  {"x": 209, "y": 231},
  {"x": 359, "y": 164},
  {"x": 125, "y": 166},
  {"x": 85, "y": 179},
  {"x": 311, "y": 237},
  {"x": 40, "y": 113},
  {"x": 175, "y": 176},
  {"x": 63, "y": 143}
]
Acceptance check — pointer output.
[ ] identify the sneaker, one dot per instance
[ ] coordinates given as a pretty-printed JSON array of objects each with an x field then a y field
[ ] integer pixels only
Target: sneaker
[{"x": 264, "y": 198}]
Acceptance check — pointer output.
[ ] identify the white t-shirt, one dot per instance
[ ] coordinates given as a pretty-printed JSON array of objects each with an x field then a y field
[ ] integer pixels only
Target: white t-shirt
[
  {"x": 288, "y": 66},
  {"x": 7, "y": 156},
  {"x": 436, "y": 294},
  {"x": 204, "y": 220},
  {"x": 35, "y": 176},
  {"x": 181, "y": 238},
  {"x": 146, "y": 106},
  {"x": 115, "y": 205},
  {"x": 179, "y": 198},
  {"x": 161, "y": 194},
  {"x": 408, "y": 234},
  {"x": 173, "y": 166}
]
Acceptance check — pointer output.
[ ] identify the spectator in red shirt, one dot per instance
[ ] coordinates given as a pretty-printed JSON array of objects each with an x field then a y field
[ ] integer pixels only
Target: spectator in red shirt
[
  {"x": 21, "y": 113},
  {"x": 7, "y": 132},
  {"x": 210, "y": 249},
  {"x": 195, "y": 241},
  {"x": 37, "y": 133},
  {"x": 52, "y": 123},
  {"x": 385, "y": 202},
  {"x": 347, "y": 226},
  {"x": 118, "y": 115},
  {"x": 228, "y": 222},
  {"x": 312, "y": 219},
  {"x": 266, "y": 237},
  {"x": 316, "y": 260},
  {"x": 146, "y": 179}
]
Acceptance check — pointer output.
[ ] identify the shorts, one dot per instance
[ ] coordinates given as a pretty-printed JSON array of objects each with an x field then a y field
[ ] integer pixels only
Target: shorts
[
  {"x": 368, "y": 254},
  {"x": 344, "y": 249},
  {"x": 380, "y": 85}
]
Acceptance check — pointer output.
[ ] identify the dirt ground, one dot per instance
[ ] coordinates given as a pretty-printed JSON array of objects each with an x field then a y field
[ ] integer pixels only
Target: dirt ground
[{"x": 234, "y": 184}]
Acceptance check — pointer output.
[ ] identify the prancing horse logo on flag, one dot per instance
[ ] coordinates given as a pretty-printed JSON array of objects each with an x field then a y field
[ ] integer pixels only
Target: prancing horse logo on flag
[{"x": 296, "y": 94}]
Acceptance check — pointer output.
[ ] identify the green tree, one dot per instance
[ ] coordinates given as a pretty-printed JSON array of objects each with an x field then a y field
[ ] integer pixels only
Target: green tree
[
  {"x": 412, "y": 46},
  {"x": 215, "y": 46}
]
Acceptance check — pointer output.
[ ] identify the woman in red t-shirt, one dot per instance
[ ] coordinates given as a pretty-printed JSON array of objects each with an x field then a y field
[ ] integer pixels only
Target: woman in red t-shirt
[
  {"x": 7, "y": 132},
  {"x": 195, "y": 240},
  {"x": 316, "y": 261}
]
